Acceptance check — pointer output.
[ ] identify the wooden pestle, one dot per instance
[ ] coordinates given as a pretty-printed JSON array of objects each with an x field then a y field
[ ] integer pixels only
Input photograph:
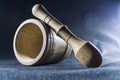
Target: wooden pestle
[{"x": 84, "y": 51}]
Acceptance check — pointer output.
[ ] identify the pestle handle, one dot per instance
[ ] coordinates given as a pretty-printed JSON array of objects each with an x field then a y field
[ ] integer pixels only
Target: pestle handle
[{"x": 40, "y": 12}]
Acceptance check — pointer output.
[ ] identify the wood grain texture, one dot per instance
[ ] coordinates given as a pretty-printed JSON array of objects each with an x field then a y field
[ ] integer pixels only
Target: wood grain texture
[{"x": 29, "y": 40}]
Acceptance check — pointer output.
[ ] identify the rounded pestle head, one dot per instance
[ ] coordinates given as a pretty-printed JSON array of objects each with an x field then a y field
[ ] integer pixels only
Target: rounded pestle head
[{"x": 89, "y": 55}]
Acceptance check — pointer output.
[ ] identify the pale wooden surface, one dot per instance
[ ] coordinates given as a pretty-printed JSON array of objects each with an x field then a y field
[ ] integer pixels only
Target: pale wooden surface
[
  {"x": 29, "y": 40},
  {"x": 77, "y": 44}
]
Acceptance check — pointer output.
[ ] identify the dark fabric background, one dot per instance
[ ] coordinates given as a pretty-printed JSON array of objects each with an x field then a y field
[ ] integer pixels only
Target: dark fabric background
[
  {"x": 72, "y": 13},
  {"x": 95, "y": 20}
]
